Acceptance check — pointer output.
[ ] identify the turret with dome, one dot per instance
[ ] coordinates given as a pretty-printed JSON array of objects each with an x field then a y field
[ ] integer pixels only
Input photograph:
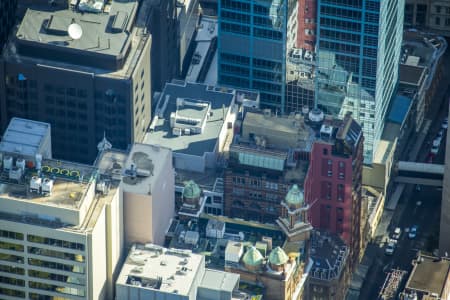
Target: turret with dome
[{"x": 294, "y": 215}]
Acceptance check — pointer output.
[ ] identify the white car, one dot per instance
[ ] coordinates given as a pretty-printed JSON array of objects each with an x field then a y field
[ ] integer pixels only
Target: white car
[
  {"x": 444, "y": 124},
  {"x": 397, "y": 233},
  {"x": 390, "y": 247},
  {"x": 437, "y": 141},
  {"x": 434, "y": 150}
]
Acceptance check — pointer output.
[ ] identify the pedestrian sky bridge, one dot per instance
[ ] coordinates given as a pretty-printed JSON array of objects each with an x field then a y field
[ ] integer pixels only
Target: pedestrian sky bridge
[{"x": 419, "y": 173}]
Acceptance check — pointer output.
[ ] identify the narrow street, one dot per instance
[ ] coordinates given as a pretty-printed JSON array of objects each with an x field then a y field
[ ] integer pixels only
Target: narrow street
[{"x": 420, "y": 208}]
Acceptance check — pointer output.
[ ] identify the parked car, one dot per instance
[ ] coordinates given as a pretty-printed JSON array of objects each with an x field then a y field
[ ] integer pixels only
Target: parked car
[
  {"x": 440, "y": 133},
  {"x": 444, "y": 124},
  {"x": 413, "y": 232},
  {"x": 437, "y": 141},
  {"x": 390, "y": 247},
  {"x": 434, "y": 150},
  {"x": 397, "y": 233}
]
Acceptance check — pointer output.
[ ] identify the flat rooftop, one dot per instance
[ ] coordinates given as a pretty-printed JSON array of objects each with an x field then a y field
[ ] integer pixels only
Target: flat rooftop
[
  {"x": 194, "y": 144},
  {"x": 219, "y": 280},
  {"x": 206, "y": 32},
  {"x": 105, "y": 31},
  {"x": 24, "y": 136},
  {"x": 329, "y": 254},
  {"x": 429, "y": 275},
  {"x": 412, "y": 75},
  {"x": 149, "y": 161},
  {"x": 158, "y": 268},
  {"x": 110, "y": 45},
  {"x": 70, "y": 183}
]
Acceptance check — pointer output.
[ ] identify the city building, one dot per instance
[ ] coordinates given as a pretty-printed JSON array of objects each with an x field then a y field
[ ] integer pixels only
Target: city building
[
  {"x": 432, "y": 15},
  {"x": 333, "y": 184},
  {"x": 91, "y": 81},
  {"x": 61, "y": 234},
  {"x": 252, "y": 48},
  {"x": 7, "y": 18},
  {"x": 275, "y": 261},
  {"x": 188, "y": 17},
  {"x": 330, "y": 275},
  {"x": 195, "y": 121},
  {"x": 420, "y": 72},
  {"x": 429, "y": 279},
  {"x": 198, "y": 147},
  {"x": 268, "y": 155},
  {"x": 154, "y": 272},
  {"x": 147, "y": 189},
  {"x": 358, "y": 53},
  {"x": 160, "y": 17},
  {"x": 203, "y": 66},
  {"x": 306, "y": 20}
]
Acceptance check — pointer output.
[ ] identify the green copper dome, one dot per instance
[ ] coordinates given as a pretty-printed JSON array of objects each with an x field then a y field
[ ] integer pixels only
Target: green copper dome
[
  {"x": 191, "y": 190},
  {"x": 252, "y": 257},
  {"x": 278, "y": 257},
  {"x": 295, "y": 196}
]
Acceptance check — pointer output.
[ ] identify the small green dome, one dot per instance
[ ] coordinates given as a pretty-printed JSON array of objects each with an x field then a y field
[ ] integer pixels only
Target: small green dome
[
  {"x": 252, "y": 257},
  {"x": 295, "y": 196},
  {"x": 278, "y": 257},
  {"x": 191, "y": 190}
]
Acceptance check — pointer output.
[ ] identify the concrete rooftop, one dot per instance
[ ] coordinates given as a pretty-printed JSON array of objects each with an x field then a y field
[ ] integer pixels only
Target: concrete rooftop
[
  {"x": 106, "y": 32},
  {"x": 194, "y": 144},
  {"x": 149, "y": 159},
  {"x": 429, "y": 275},
  {"x": 177, "y": 269}
]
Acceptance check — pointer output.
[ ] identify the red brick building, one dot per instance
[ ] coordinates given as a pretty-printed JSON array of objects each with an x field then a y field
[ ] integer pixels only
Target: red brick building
[
  {"x": 333, "y": 182},
  {"x": 306, "y": 19}
]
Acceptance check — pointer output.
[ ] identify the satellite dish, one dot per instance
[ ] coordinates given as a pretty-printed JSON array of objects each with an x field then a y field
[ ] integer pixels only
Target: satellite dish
[{"x": 75, "y": 31}]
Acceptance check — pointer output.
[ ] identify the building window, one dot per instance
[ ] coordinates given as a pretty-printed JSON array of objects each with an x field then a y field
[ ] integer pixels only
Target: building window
[
  {"x": 325, "y": 151},
  {"x": 438, "y": 9},
  {"x": 438, "y": 21},
  {"x": 330, "y": 173}
]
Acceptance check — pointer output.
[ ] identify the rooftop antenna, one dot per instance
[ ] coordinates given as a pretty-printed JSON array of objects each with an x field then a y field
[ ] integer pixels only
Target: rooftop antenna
[{"x": 75, "y": 31}]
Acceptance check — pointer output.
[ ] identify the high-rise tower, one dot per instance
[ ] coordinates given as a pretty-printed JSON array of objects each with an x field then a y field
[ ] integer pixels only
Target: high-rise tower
[
  {"x": 252, "y": 47},
  {"x": 358, "y": 51}
]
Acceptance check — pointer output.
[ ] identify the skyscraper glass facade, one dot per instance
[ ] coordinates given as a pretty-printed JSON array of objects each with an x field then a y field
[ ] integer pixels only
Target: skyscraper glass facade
[
  {"x": 358, "y": 51},
  {"x": 339, "y": 55},
  {"x": 252, "y": 47}
]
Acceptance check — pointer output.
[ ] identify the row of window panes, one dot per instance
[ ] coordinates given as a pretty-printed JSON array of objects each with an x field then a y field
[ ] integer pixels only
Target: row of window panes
[
  {"x": 11, "y": 258},
  {"x": 11, "y": 246},
  {"x": 11, "y": 235},
  {"x": 438, "y": 21},
  {"x": 55, "y": 277},
  {"x": 12, "y": 270},
  {"x": 439, "y": 9},
  {"x": 11, "y": 293},
  {"x": 341, "y": 12},
  {"x": 55, "y": 288},
  {"x": 350, "y": 3},
  {"x": 234, "y": 81},
  {"x": 56, "y": 254},
  {"x": 55, "y": 265},
  {"x": 340, "y": 24},
  {"x": 340, "y": 36},
  {"x": 55, "y": 242},
  {"x": 12, "y": 281}
]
